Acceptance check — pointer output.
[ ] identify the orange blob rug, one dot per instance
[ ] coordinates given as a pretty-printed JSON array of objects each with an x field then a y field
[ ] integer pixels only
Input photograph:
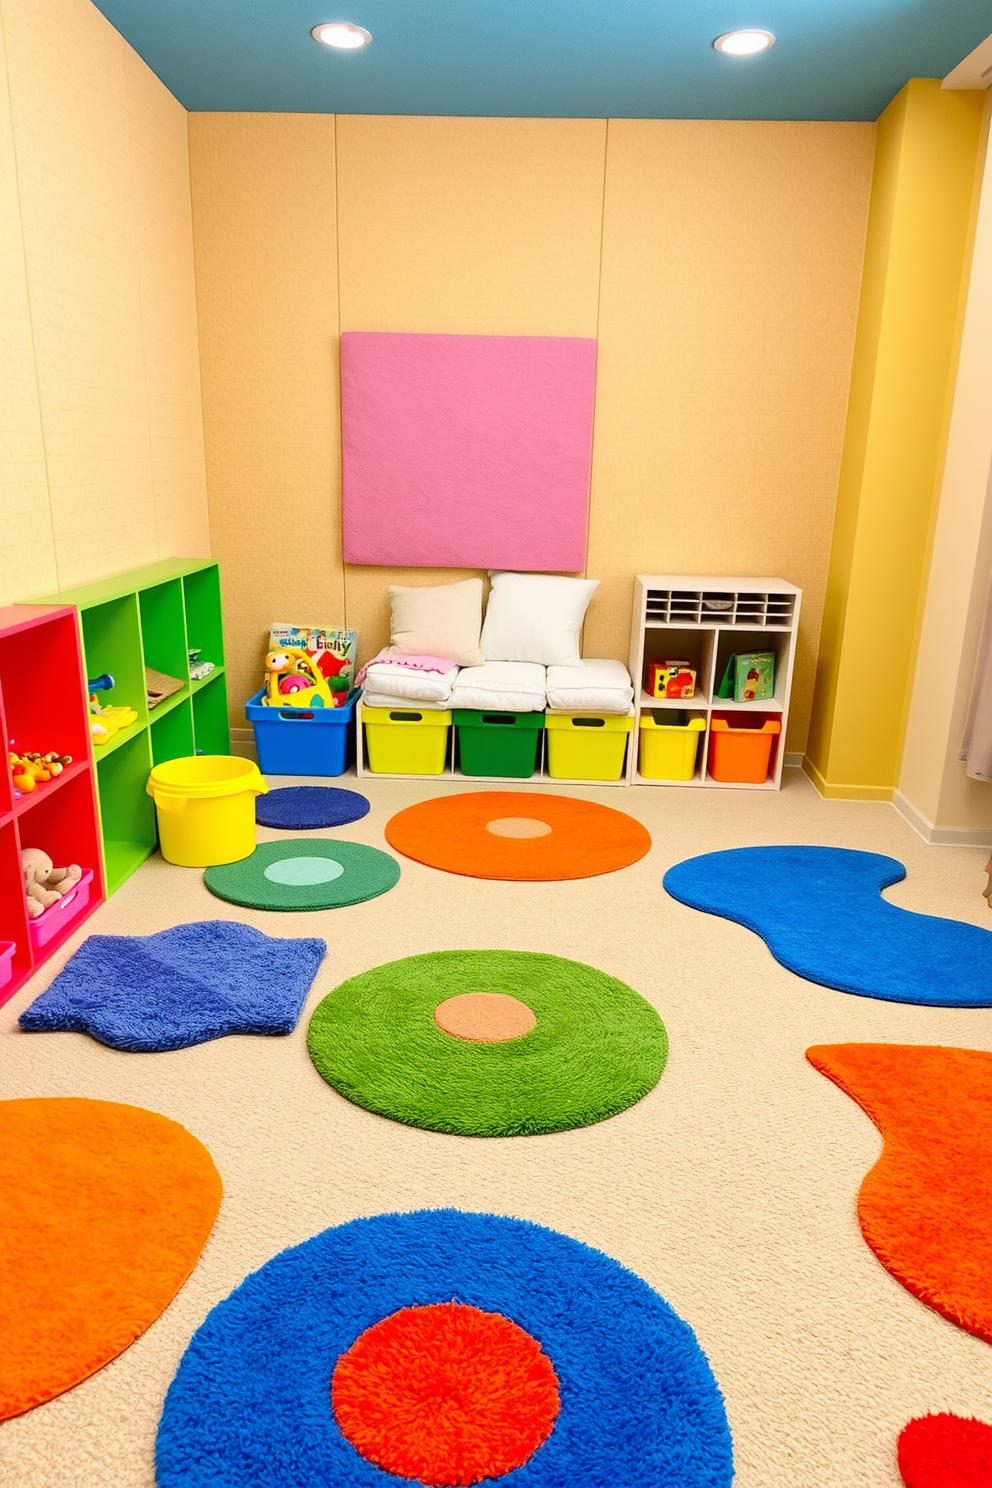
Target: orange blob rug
[
  {"x": 105, "y": 1211},
  {"x": 924, "y": 1207},
  {"x": 518, "y": 835}
]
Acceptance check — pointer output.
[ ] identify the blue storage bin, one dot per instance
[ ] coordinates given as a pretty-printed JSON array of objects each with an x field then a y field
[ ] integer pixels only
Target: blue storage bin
[{"x": 302, "y": 741}]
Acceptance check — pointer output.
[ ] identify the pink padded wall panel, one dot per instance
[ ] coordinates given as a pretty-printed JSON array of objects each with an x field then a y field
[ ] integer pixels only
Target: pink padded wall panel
[{"x": 467, "y": 451}]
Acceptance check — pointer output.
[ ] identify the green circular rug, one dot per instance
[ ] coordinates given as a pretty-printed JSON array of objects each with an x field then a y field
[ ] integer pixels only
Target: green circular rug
[
  {"x": 597, "y": 1046},
  {"x": 304, "y": 873}
]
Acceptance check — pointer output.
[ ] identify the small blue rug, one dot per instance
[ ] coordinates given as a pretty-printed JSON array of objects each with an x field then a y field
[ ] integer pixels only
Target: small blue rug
[
  {"x": 149, "y": 993},
  {"x": 301, "y": 808},
  {"x": 251, "y": 1404},
  {"x": 819, "y": 911}
]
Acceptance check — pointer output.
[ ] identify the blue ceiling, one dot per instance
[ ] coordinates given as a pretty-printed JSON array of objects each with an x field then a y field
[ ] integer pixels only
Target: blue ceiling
[{"x": 834, "y": 59}]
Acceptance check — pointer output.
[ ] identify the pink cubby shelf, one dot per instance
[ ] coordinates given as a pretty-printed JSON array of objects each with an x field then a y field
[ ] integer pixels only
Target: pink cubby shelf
[{"x": 43, "y": 708}]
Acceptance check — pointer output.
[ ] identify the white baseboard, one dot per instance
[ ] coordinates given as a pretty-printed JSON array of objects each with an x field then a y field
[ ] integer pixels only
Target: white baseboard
[{"x": 940, "y": 836}]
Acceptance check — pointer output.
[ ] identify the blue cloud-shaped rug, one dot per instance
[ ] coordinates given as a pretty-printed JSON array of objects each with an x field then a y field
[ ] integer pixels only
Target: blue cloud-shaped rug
[
  {"x": 148, "y": 993},
  {"x": 819, "y": 911}
]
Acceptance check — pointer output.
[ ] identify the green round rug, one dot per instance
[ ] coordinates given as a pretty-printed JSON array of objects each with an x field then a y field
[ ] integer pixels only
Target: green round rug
[
  {"x": 597, "y": 1046},
  {"x": 304, "y": 873}
]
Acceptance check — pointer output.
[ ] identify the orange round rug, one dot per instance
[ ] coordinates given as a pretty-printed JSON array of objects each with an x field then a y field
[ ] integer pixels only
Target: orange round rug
[
  {"x": 105, "y": 1211},
  {"x": 485, "y": 834}
]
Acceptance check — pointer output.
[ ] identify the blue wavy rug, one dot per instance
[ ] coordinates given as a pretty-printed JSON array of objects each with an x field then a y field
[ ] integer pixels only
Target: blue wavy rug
[
  {"x": 301, "y": 808},
  {"x": 251, "y": 1401},
  {"x": 148, "y": 993},
  {"x": 819, "y": 911}
]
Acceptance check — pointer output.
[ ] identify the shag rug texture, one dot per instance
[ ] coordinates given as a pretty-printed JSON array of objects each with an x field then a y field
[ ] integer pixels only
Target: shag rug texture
[
  {"x": 355, "y": 873},
  {"x": 451, "y": 833},
  {"x": 251, "y": 1402},
  {"x": 925, "y": 1206},
  {"x": 819, "y": 911},
  {"x": 301, "y": 808},
  {"x": 183, "y": 986},
  {"x": 945, "y": 1451},
  {"x": 597, "y": 1047},
  {"x": 105, "y": 1211},
  {"x": 499, "y": 1389}
]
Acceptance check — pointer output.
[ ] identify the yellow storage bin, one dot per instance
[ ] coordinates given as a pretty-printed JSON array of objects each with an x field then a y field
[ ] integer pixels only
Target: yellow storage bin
[
  {"x": 406, "y": 741},
  {"x": 586, "y": 746},
  {"x": 205, "y": 805},
  {"x": 668, "y": 750}
]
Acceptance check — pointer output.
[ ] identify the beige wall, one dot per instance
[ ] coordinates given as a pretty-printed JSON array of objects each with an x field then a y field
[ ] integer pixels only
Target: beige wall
[
  {"x": 718, "y": 264},
  {"x": 101, "y": 445}
]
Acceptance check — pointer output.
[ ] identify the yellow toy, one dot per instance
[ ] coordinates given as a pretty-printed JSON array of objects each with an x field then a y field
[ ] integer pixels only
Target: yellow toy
[
  {"x": 293, "y": 681},
  {"x": 106, "y": 721}
]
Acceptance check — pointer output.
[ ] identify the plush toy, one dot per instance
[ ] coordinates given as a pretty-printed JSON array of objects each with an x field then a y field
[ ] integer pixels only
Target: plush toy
[{"x": 43, "y": 883}]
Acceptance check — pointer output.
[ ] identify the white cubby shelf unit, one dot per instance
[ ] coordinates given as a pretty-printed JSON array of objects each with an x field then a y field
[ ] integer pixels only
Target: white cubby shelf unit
[{"x": 704, "y": 619}]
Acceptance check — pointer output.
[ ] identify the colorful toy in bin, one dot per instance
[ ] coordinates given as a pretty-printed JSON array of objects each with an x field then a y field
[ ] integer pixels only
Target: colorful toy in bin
[
  {"x": 106, "y": 721},
  {"x": 309, "y": 667},
  {"x": 292, "y": 680},
  {"x": 44, "y": 884},
  {"x": 671, "y": 679}
]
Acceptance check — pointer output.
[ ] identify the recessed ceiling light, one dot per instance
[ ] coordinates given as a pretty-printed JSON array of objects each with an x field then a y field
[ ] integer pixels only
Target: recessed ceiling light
[
  {"x": 342, "y": 35},
  {"x": 744, "y": 43}
]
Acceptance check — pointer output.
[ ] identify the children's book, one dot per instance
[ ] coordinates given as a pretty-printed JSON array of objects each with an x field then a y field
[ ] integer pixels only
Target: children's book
[
  {"x": 749, "y": 677},
  {"x": 332, "y": 651}
]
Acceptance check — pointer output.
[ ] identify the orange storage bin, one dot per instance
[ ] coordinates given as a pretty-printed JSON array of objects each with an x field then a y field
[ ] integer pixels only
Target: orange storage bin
[{"x": 741, "y": 755}]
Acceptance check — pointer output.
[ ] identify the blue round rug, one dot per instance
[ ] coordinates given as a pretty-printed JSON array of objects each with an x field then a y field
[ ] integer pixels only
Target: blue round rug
[
  {"x": 251, "y": 1402},
  {"x": 301, "y": 808}
]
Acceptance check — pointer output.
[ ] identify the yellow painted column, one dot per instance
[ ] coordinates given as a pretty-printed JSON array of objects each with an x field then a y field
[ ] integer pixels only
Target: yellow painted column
[{"x": 917, "y": 259}]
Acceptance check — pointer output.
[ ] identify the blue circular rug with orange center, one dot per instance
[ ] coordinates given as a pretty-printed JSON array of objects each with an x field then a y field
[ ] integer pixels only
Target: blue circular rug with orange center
[{"x": 443, "y": 1348}]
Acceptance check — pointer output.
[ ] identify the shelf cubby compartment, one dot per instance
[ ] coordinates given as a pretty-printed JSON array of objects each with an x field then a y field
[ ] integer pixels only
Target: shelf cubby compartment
[
  {"x": 150, "y": 617},
  {"x": 705, "y": 619},
  {"x": 210, "y": 726},
  {"x": 204, "y": 627},
  {"x": 127, "y": 813},
  {"x": 172, "y": 731},
  {"x": 43, "y": 710}
]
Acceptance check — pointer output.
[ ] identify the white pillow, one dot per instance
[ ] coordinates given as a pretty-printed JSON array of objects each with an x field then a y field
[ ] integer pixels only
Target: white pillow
[
  {"x": 442, "y": 620},
  {"x": 535, "y": 617}
]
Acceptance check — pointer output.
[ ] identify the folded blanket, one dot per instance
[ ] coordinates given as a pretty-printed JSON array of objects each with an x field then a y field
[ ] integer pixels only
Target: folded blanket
[
  {"x": 390, "y": 656},
  {"x": 404, "y": 685}
]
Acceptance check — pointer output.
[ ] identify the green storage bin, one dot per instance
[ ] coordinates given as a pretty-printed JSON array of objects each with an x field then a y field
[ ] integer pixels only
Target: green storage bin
[{"x": 498, "y": 743}]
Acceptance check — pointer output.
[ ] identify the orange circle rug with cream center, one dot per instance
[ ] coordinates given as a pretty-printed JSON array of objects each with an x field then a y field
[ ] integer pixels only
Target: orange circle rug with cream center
[{"x": 518, "y": 835}]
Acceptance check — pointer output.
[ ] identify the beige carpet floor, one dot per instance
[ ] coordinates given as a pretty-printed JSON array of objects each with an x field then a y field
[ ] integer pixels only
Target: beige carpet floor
[{"x": 731, "y": 1188}]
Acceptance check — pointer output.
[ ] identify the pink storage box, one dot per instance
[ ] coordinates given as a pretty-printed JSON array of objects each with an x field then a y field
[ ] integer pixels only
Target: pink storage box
[
  {"x": 7, "y": 949},
  {"x": 50, "y": 921}
]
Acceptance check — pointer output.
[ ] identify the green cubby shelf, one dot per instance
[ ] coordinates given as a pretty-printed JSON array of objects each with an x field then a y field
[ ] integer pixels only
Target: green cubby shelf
[{"x": 150, "y": 617}]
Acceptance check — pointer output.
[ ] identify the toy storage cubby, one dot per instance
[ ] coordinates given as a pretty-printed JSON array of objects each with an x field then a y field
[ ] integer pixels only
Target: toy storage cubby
[
  {"x": 42, "y": 709},
  {"x": 150, "y": 617},
  {"x": 704, "y": 620}
]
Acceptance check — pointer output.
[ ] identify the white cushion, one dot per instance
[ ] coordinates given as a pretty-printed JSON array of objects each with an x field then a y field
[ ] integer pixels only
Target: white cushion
[
  {"x": 395, "y": 682},
  {"x": 596, "y": 685},
  {"x": 501, "y": 687},
  {"x": 386, "y": 700},
  {"x": 438, "y": 620},
  {"x": 535, "y": 617}
]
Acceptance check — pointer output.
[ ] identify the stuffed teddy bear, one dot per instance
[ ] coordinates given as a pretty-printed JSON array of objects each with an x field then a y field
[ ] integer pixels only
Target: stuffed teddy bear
[{"x": 43, "y": 883}]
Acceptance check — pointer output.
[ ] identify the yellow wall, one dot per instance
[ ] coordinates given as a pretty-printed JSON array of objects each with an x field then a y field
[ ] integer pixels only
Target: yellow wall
[
  {"x": 101, "y": 445},
  {"x": 934, "y": 790},
  {"x": 718, "y": 264},
  {"x": 916, "y": 267}
]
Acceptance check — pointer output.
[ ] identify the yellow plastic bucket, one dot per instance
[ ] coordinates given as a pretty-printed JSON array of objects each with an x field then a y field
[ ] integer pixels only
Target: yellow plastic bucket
[{"x": 206, "y": 808}]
